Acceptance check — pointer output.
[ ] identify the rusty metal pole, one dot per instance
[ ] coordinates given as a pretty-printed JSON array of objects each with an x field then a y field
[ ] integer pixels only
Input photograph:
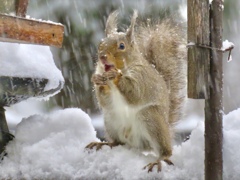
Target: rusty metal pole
[{"x": 213, "y": 105}]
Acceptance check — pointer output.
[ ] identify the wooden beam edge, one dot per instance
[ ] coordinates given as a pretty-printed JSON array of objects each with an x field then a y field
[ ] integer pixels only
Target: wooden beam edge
[{"x": 30, "y": 31}]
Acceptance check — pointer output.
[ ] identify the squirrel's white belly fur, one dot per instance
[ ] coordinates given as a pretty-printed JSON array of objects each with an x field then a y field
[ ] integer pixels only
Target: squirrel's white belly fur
[{"x": 123, "y": 122}]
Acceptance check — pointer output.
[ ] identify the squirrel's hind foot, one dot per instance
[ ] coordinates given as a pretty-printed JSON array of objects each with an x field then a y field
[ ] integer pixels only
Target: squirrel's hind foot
[
  {"x": 99, "y": 145},
  {"x": 158, "y": 164},
  {"x": 151, "y": 165}
]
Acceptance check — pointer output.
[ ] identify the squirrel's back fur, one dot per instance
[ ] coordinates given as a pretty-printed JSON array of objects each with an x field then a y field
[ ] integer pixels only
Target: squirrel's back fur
[{"x": 163, "y": 44}]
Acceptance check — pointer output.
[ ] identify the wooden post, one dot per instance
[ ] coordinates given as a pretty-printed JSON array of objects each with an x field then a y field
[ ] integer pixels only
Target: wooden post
[
  {"x": 5, "y": 136},
  {"x": 213, "y": 105},
  {"x": 198, "y": 57},
  {"x": 21, "y": 7},
  {"x": 205, "y": 79}
]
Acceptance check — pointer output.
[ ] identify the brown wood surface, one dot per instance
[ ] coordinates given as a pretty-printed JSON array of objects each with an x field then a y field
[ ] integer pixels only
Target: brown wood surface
[
  {"x": 213, "y": 105},
  {"x": 198, "y": 57},
  {"x": 21, "y": 30}
]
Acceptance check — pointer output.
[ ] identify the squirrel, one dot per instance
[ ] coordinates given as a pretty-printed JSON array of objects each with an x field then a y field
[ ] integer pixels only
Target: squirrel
[{"x": 140, "y": 84}]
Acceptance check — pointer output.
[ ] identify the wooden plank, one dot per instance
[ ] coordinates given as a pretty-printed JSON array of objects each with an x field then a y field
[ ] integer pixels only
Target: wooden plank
[
  {"x": 21, "y": 7},
  {"x": 29, "y": 31},
  {"x": 213, "y": 105},
  {"x": 198, "y": 57}
]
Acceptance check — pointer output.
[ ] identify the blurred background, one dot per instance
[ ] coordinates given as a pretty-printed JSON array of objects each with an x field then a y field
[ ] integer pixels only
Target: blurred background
[{"x": 84, "y": 23}]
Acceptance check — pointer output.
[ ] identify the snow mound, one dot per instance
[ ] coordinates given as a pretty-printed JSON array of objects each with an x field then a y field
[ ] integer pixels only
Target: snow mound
[
  {"x": 53, "y": 147},
  {"x": 25, "y": 60}
]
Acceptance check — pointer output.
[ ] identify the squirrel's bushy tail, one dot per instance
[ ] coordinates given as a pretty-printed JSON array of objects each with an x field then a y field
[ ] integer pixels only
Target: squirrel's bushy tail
[{"x": 164, "y": 45}]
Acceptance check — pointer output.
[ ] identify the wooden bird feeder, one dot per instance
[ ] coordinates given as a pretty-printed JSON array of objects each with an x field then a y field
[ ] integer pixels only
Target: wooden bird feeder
[{"x": 17, "y": 28}]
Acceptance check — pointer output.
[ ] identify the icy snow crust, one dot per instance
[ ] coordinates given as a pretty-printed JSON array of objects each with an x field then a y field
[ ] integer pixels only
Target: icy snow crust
[
  {"x": 52, "y": 147},
  {"x": 34, "y": 61}
]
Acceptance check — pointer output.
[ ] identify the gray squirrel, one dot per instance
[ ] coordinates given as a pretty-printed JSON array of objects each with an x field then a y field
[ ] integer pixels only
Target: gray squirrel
[{"x": 140, "y": 84}]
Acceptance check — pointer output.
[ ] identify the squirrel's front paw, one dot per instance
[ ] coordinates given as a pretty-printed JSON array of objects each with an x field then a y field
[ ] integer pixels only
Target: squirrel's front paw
[
  {"x": 112, "y": 74},
  {"x": 105, "y": 77},
  {"x": 99, "y": 79}
]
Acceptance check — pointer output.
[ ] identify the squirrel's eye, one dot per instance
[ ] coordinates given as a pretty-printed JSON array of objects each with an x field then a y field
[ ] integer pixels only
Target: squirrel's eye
[{"x": 121, "y": 46}]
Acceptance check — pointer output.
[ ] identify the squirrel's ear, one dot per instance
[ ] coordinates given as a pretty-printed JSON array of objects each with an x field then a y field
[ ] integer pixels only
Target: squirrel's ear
[
  {"x": 130, "y": 31},
  {"x": 111, "y": 24}
]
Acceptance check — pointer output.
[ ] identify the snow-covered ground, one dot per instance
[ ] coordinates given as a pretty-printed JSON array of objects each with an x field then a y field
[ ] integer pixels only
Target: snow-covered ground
[{"x": 52, "y": 146}]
